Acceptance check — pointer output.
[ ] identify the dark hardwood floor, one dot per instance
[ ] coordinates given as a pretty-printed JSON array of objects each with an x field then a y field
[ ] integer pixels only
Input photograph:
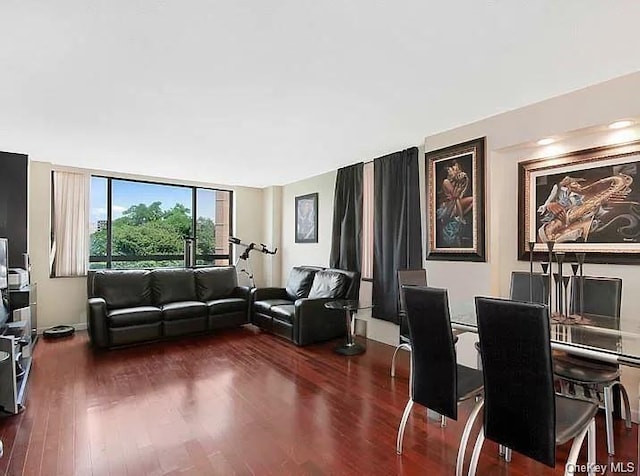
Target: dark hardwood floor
[{"x": 239, "y": 402}]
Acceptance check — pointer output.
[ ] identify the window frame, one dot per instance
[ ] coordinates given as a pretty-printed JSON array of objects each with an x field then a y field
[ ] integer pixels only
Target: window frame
[{"x": 108, "y": 258}]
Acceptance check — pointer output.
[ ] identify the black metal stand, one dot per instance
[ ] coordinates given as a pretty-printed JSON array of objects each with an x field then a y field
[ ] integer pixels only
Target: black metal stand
[
  {"x": 560, "y": 260},
  {"x": 574, "y": 270},
  {"x": 531, "y": 245},
  {"x": 580, "y": 257},
  {"x": 545, "y": 282},
  {"x": 558, "y": 287},
  {"x": 550, "y": 248}
]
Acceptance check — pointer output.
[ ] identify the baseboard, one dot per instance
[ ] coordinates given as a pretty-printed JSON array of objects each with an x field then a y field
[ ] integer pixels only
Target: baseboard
[{"x": 80, "y": 326}]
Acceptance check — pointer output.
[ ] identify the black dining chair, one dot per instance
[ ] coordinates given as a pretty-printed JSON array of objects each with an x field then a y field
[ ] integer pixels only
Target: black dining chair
[
  {"x": 526, "y": 287},
  {"x": 602, "y": 296},
  {"x": 406, "y": 277},
  {"x": 520, "y": 290},
  {"x": 438, "y": 382},
  {"x": 521, "y": 409}
]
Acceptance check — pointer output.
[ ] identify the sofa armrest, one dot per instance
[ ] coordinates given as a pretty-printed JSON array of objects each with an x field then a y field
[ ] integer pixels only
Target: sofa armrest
[
  {"x": 97, "y": 322},
  {"x": 260, "y": 294},
  {"x": 313, "y": 322},
  {"x": 243, "y": 292}
]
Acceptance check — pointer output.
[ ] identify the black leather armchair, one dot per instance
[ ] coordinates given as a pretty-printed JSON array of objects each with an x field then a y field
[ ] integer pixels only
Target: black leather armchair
[
  {"x": 297, "y": 312},
  {"x": 133, "y": 306}
]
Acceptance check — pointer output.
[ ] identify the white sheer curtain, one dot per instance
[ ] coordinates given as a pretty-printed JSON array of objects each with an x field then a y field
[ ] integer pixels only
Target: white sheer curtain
[{"x": 70, "y": 244}]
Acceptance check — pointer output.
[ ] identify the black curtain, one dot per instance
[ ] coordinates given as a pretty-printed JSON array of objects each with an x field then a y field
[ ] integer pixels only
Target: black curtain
[
  {"x": 397, "y": 227},
  {"x": 347, "y": 219}
]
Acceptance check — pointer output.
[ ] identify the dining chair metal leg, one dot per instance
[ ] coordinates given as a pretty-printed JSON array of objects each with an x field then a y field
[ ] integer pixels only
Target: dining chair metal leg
[
  {"x": 465, "y": 436},
  {"x": 403, "y": 423},
  {"x": 591, "y": 446},
  {"x": 475, "y": 456},
  {"x": 507, "y": 454},
  {"x": 625, "y": 400},
  {"x": 443, "y": 421},
  {"x": 575, "y": 448},
  {"x": 608, "y": 415},
  {"x": 402, "y": 346},
  {"x": 608, "y": 409},
  {"x": 501, "y": 449}
]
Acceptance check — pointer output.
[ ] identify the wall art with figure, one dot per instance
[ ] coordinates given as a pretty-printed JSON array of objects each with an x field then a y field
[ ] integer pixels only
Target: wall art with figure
[
  {"x": 586, "y": 201},
  {"x": 456, "y": 202},
  {"x": 307, "y": 218}
]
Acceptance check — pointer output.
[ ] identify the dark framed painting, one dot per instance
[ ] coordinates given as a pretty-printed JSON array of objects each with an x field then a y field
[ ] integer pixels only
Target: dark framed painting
[
  {"x": 456, "y": 202},
  {"x": 586, "y": 201},
  {"x": 307, "y": 218}
]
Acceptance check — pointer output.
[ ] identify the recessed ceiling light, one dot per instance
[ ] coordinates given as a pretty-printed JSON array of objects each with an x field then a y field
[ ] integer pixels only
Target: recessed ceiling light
[
  {"x": 546, "y": 141},
  {"x": 620, "y": 124}
]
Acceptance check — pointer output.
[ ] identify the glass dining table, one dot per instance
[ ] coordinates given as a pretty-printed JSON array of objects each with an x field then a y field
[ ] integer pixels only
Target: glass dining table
[{"x": 605, "y": 338}]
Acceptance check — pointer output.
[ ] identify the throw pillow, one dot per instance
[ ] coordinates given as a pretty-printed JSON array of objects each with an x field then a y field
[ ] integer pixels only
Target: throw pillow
[{"x": 328, "y": 284}]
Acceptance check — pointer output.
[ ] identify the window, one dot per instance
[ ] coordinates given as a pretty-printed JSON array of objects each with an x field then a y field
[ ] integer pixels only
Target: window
[{"x": 143, "y": 225}]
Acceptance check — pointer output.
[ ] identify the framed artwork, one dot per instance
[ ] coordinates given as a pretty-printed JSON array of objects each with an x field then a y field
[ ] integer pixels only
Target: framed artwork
[
  {"x": 456, "y": 202},
  {"x": 307, "y": 218},
  {"x": 586, "y": 201}
]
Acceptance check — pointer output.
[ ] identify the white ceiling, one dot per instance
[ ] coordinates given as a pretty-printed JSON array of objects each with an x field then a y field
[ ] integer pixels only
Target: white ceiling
[{"x": 260, "y": 92}]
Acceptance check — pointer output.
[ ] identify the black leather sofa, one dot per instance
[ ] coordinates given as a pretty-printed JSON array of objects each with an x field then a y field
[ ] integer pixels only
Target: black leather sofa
[
  {"x": 133, "y": 306},
  {"x": 297, "y": 313}
]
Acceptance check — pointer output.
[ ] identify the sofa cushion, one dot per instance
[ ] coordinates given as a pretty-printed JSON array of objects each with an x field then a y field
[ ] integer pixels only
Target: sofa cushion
[
  {"x": 183, "y": 310},
  {"x": 173, "y": 285},
  {"x": 123, "y": 288},
  {"x": 266, "y": 305},
  {"x": 134, "y": 316},
  {"x": 215, "y": 283},
  {"x": 328, "y": 284},
  {"x": 284, "y": 312},
  {"x": 222, "y": 306},
  {"x": 299, "y": 282}
]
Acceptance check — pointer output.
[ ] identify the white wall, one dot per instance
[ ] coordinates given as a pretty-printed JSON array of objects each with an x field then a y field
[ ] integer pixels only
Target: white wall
[
  {"x": 272, "y": 210},
  {"x": 510, "y": 138},
  {"x": 63, "y": 300},
  {"x": 317, "y": 254}
]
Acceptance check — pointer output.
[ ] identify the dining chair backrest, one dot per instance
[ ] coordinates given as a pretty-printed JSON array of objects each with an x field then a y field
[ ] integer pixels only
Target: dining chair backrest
[
  {"x": 519, "y": 290},
  {"x": 602, "y": 296},
  {"x": 434, "y": 376},
  {"x": 410, "y": 277},
  {"x": 519, "y": 402}
]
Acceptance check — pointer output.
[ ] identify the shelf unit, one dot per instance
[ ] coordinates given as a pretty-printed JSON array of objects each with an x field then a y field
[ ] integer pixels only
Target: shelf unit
[{"x": 13, "y": 389}]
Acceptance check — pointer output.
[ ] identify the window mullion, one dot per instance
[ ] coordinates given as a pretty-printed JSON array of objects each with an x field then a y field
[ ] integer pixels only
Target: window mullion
[{"x": 109, "y": 219}]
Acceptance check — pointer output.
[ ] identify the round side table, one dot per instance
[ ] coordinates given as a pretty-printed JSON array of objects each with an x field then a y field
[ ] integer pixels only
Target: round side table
[{"x": 350, "y": 307}]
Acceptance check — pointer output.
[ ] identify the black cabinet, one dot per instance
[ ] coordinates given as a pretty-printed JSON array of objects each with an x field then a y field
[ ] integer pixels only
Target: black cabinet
[{"x": 13, "y": 205}]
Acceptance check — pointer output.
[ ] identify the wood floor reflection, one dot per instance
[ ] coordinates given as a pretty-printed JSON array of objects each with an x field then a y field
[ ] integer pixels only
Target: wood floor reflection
[{"x": 239, "y": 402}]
